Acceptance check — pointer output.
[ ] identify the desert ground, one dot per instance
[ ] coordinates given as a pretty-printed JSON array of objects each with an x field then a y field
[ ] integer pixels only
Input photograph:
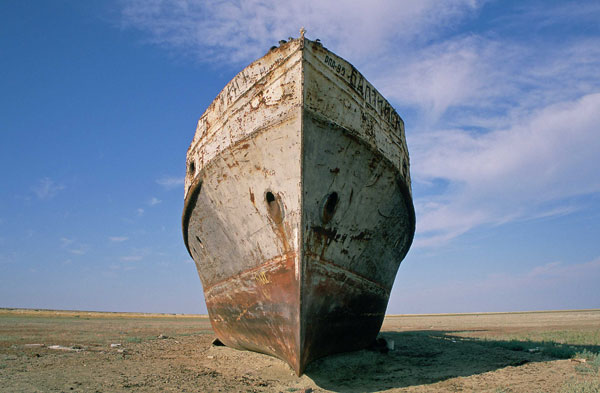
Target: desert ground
[{"x": 78, "y": 351}]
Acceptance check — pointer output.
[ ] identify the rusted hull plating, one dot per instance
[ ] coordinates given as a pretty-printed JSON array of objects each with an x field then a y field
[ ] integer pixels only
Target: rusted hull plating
[{"x": 298, "y": 208}]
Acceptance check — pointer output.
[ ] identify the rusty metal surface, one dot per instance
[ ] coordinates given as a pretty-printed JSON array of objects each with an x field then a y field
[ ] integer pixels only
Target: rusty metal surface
[
  {"x": 298, "y": 207},
  {"x": 258, "y": 309}
]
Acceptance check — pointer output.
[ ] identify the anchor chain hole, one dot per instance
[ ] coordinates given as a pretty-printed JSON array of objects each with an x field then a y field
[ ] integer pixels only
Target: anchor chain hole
[
  {"x": 270, "y": 197},
  {"x": 274, "y": 207}
]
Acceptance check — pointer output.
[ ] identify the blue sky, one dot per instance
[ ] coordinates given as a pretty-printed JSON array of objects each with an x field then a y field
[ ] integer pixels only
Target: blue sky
[{"x": 100, "y": 100}]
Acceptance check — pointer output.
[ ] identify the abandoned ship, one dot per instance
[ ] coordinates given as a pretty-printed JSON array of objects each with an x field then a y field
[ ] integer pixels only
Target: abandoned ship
[{"x": 298, "y": 207}]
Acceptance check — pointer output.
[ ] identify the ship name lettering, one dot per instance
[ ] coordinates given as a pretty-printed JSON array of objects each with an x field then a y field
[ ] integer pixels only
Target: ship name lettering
[
  {"x": 367, "y": 92},
  {"x": 372, "y": 97},
  {"x": 237, "y": 86}
]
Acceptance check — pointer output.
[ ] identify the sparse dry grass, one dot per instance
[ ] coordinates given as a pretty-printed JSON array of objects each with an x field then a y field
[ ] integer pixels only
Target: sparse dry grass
[
  {"x": 578, "y": 385},
  {"x": 500, "y": 352}
]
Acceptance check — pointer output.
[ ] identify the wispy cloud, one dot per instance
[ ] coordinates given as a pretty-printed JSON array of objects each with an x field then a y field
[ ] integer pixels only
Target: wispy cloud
[
  {"x": 81, "y": 250},
  {"x": 8, "y": 258},
  {"x": 508, "y": 174},
  {"x": 479, "y": 81},
  {"x": 140, "y": 212},
  {"x": 117, "y": 239},
  {"x": 237, "y": 32},
  {"x": 47, "y": 188},
  {"x": 561, "y": 285},
  {"x": 554, "y": 276},
  {"x": 132, "y": 258},
  {"x": 73, "y": 246},
  {"x": 65, "y": 241},
  {"x": 170, "y": 182},
  {"x": 154, "y": 201},
  {"x": 508, "y": 126},
  {"x": 136, "y": 254}
]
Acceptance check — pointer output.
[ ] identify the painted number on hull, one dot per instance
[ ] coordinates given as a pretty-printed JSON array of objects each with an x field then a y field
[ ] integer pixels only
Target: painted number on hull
[
  {"x": 340, "y": 69},
  {"x": 261, "y": 278}
]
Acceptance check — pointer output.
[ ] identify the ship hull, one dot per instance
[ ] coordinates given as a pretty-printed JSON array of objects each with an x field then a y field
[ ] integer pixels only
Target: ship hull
[{"x": 299, "y": 222}]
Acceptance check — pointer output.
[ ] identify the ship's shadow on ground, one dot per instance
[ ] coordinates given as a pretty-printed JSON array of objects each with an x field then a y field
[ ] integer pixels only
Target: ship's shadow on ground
[{"x": 425, "y": 357}]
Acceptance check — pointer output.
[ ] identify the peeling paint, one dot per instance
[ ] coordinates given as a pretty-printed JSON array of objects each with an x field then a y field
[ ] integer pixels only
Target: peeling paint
[{"x": 306, "y": 271}]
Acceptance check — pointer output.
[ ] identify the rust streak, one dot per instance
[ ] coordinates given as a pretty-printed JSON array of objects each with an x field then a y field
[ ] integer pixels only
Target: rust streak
[{"x": 251, "y": 196}]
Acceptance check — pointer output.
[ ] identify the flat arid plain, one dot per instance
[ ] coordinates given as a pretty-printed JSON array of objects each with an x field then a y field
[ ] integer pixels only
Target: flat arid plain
[{"x": 64, "y": 351}]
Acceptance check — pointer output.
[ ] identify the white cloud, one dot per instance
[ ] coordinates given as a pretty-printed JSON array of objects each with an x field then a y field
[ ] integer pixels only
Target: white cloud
[
  {"x": 505, "y": 130},
  {"x": 170, "y": 182},
  {"x": 118, "y": 239},
  {"x": 477, "y": 81},
  {"x": 553, "y": 285},
  {"x": 549, "y": 274},
  {"x": 508, "y": 174},
  {"x": 154, "y": 201},
  {"x": 8, "y": 258},
  {"x": 438, "y": 76},
  {"x": 237, "y": 32},
  {"x": 74, "y": 247},
  {"x": 47, "y": 188},
  {"x": 79, "y": 251},
  {"x": 131, "y": 258},
  {"x": 140, "y": 211},
  {"x": 65, "y": 241}
]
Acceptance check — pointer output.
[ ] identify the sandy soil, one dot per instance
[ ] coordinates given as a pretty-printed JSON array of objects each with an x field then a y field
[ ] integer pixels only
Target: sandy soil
[{"x": 111, "y": 352}]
